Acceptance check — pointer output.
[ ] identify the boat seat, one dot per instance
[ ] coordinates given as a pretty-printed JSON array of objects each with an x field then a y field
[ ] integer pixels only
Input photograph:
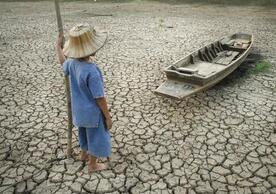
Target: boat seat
[
  {"x": 238, "y": 43},
  {"x": 185, "y": 70},
  {"x": 225, "y": 57},
  {"x": 199, "y": 68},
  {"x": 241, "y": 41},
  {"x": 206, "y": 69}
]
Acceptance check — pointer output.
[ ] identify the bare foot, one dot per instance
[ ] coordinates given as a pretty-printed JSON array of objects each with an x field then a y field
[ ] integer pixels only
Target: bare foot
[
  {"x": 83, "y": 156},
  {"x": 96, "y": 167},
  {"x": 103, "y": 160}
]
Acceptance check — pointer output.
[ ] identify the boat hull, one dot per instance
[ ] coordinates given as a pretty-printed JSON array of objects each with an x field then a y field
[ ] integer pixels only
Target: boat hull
[{"x": 176, "y": 87}]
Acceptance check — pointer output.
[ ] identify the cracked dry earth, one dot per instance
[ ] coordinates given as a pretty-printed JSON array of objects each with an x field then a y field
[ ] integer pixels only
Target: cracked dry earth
[{"x": 219, "y": 141}]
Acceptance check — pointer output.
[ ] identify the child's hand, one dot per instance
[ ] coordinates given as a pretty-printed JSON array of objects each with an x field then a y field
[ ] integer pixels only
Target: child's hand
[
  {"x": 108, "y": 123},
  {"x": 59, "y": 45}
]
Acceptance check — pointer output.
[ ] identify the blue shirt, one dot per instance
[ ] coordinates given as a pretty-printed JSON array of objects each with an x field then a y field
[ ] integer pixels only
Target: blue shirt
[{"x": 87, "y": 85}]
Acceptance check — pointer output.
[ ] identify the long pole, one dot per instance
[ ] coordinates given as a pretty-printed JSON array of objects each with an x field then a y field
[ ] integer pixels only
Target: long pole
[{"x": 69, "y": 111}]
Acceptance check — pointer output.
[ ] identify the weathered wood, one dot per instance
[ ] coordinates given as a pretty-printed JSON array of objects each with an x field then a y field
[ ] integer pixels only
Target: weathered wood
[
  {"x": 67, "y": 85},
  {"x": 226, "y": 57},
  {"x": 212, "y": 63}
]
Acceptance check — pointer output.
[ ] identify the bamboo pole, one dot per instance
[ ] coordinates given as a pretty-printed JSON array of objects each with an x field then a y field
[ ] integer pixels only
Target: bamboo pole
[{"x": 67, "y": 84}]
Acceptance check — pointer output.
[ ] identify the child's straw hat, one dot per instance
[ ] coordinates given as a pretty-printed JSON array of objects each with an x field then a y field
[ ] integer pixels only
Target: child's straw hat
[{"x": 83, "y": 41}]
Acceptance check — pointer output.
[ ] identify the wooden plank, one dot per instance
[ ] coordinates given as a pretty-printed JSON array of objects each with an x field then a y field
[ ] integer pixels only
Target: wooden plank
[
  {"x": 225, "y": 60},
  {"x": 175, "y": 89}
]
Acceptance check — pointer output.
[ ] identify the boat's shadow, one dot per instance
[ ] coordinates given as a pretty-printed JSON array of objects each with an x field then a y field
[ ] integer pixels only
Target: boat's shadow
[{"x": 242, "y": 71}]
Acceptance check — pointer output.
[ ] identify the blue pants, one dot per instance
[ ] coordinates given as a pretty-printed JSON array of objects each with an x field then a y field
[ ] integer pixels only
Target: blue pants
[{"x": 96, "y": 141}]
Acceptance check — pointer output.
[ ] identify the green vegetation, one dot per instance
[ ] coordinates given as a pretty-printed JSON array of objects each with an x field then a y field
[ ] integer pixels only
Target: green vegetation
[
  {"x": 260, "y": 67},
  {"x": 161, "y": 22}
]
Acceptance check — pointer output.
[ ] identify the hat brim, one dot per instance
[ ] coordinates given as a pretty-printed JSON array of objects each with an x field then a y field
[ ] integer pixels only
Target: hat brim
[{"x": 85, "y": 45}]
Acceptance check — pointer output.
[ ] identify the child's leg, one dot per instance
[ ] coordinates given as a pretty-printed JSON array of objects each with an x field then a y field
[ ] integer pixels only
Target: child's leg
[
  {"x": 83, "y": 143},
  {"x": 99, "y": 144}
]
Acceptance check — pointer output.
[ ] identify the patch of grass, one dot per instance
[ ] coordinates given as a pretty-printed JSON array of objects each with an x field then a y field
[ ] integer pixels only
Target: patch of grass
[
  {"x": 260, "y": 67},
  {"x": 161, "y": 22}
]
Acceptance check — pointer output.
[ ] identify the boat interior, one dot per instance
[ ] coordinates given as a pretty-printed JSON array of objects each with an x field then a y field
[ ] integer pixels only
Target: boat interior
[{"x": 211, "y": 59}]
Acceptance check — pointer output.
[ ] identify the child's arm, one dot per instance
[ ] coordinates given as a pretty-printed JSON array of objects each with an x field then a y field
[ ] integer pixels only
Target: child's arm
[
  {"x": 61, "y": 57},
  {"x": 103, "y": 106}
]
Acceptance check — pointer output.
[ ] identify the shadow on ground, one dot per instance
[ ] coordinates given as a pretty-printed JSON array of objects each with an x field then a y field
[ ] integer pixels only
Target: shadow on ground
[{"x": 243, "y": 70}]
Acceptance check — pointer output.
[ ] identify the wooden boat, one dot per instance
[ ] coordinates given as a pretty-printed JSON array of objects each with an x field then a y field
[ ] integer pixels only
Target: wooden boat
[{"x": 205, "y": 67}]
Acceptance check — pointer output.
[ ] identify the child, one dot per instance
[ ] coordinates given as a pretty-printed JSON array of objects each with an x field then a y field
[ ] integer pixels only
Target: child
[{"x": 89, "y": 106}]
